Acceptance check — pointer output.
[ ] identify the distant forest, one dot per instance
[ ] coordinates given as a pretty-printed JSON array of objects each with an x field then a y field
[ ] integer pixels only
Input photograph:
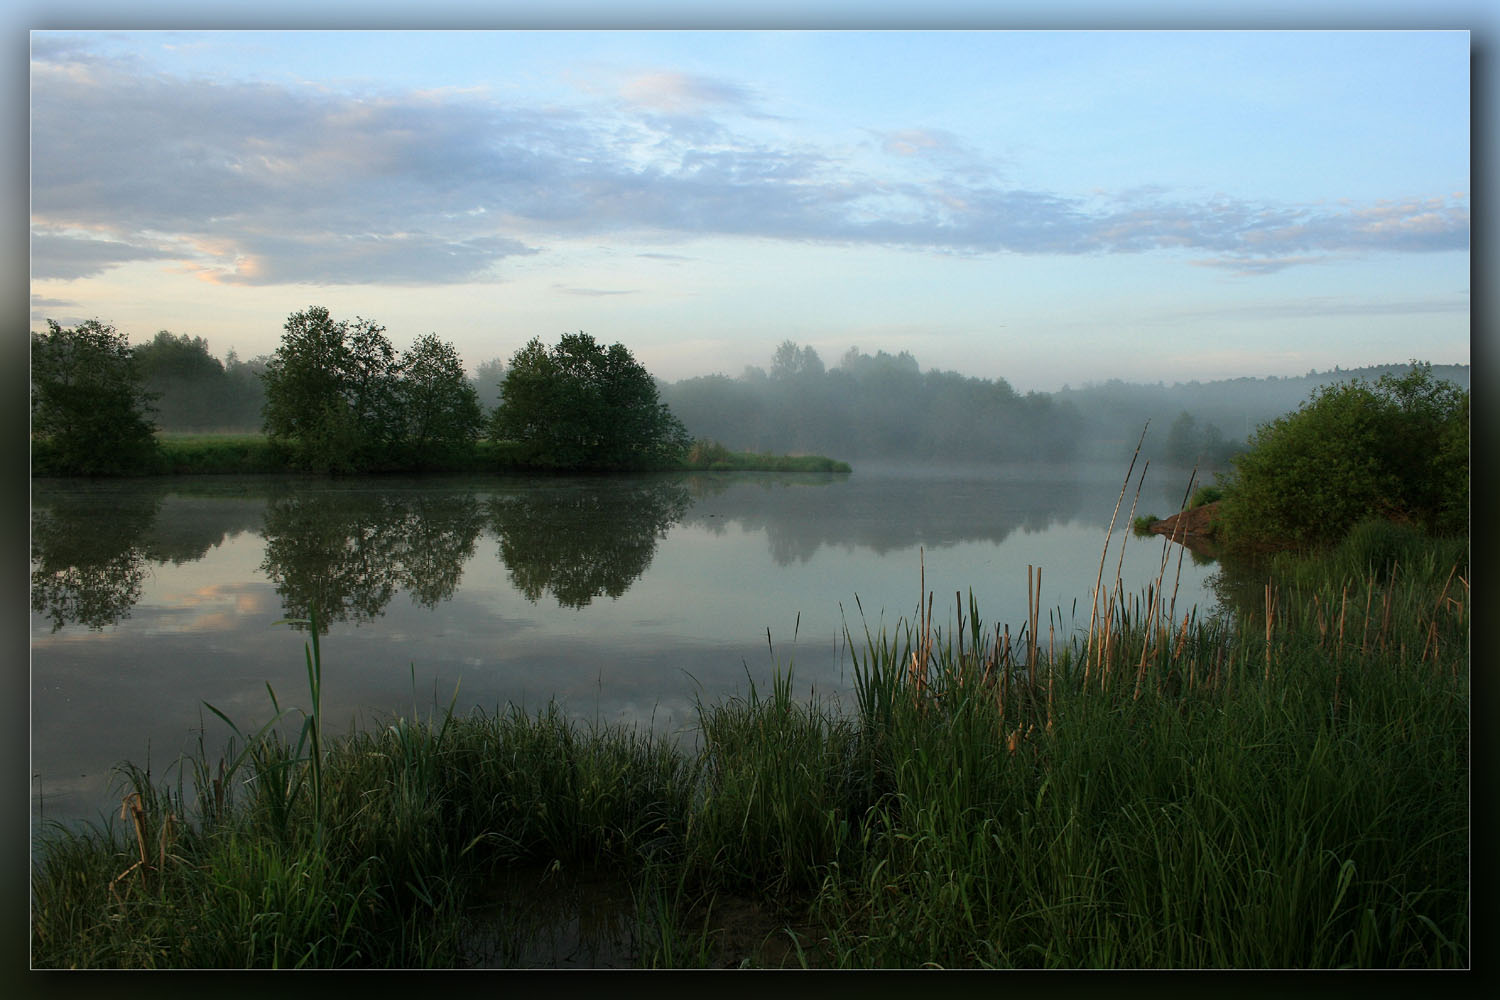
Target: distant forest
[{"x": 880, "y": 407}]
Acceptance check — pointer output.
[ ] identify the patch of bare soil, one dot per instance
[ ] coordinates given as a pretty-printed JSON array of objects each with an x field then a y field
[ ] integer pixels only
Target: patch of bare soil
[{"x": 1193, "y": 528}]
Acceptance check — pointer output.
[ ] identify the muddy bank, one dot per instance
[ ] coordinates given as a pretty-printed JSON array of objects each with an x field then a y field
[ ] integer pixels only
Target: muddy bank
[{"x": 1193, "y": 528}]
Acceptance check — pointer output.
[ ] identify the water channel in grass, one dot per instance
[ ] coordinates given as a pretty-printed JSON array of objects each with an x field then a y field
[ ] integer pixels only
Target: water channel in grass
[{"x": 626, "y": 599}]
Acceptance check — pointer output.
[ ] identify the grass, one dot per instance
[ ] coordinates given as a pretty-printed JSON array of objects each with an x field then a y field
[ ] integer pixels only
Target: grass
[
  {"x": 1206, "y": 494},
  {"x": 251, "y": 453},
  {"x": 215, "y": 454},
  {"x": 1281, "y": 786}
]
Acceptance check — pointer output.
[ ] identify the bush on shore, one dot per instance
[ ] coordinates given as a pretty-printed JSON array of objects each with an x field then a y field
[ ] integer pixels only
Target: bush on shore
[{"x": 1396, "y": 450}]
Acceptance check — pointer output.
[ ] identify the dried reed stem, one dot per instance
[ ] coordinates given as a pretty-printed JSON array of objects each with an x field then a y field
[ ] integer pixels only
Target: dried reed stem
[
  {"x": 1099, "y": 580},
  {"x": 1186, "y": 496}
]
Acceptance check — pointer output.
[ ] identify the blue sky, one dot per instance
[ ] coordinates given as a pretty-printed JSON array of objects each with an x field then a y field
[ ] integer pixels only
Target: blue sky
[{"x": 1048, "y": 207}]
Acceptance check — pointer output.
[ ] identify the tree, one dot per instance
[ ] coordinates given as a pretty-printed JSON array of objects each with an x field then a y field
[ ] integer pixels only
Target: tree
[
  {"x": 583, "y": 406},
  {"x": 90, "y": 410},
  {"x": 1396, "y": 450},
  {"x": 245, "y": 390},
  {"x": 791, "y": 361},
  {"x": 487, "y": 380},
  {"x": 331, "y": 392},
  {"x": 1192, "y": 443},
  {"x": 438, "y": 403},
  {"x": 192, "y": 388},
  {"x": 374, "y": 390}
]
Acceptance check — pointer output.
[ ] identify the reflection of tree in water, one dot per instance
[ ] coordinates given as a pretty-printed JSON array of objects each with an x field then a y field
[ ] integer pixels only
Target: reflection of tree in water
[
  {"x": 87, "y": 561},
  {"x": 91, "y": 545},
  {"x": 348, "y": 553},
  {"x": 439, "y": 536},
  {"x": 577, "y": 542},
  {"x": 882, "y": 513}
]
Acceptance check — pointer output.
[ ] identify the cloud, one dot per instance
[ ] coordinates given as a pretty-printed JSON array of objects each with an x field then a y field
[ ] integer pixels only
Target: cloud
[
  {"x": 1327, "y": 306},
  {"x": 678, "y": 92},
  {"x": 250, "y": 183},
  {"x": 908, "y": 142},
  {"x": 566, "y": 290},
  {"x": 1255, "y": 265},
  {"x": 55, "y": 255}
]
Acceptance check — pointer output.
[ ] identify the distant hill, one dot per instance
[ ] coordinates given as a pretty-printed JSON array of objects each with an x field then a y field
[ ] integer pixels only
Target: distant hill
[{"x": 1114, "y": 412}]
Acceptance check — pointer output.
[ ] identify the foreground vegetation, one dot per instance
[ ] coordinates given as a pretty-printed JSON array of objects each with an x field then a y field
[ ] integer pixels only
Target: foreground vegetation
[{"x": 1283, "y": 787}]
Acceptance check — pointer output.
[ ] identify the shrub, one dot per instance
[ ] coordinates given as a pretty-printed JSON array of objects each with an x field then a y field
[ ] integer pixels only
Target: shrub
[
  {"x": 1396, "y": 450},
  {"x": 1205, "y": 495}
]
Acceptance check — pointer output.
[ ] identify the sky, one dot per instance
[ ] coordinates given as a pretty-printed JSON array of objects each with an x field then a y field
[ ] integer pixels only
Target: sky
[{"x": 1050, "y": 207}]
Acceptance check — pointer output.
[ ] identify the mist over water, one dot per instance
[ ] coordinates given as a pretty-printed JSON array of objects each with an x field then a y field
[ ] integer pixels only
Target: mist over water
[{"x": 626, "y": 599}]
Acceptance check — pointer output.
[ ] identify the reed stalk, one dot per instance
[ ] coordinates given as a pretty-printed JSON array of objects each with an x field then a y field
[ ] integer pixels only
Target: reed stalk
[{"x": 1104, "y": 554}]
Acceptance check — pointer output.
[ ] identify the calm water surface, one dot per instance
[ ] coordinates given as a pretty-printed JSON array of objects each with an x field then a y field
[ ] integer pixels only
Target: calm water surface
[{"x": 623, "y": 599}]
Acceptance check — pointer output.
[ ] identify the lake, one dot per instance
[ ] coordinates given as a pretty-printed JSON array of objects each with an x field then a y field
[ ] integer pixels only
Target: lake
[{"x": 625, "y": 599}]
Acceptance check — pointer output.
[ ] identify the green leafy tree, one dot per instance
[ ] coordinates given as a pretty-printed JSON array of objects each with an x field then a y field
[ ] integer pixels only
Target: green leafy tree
[
  {"x": 90, "y": 409},
  {"x": 438, "y": 402},
  {"x": 580, "y": 405},
  {"x": 332, "y": 393},
  {"x": 1397, "y": 450},
  {"x": 374, "y": 387}
]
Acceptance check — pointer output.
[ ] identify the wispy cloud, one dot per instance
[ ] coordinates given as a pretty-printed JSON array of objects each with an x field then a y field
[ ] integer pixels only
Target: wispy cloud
[
  {"x": 1240, "y": 264},
  {"x": 1329, "y": 306},
  {"x": 568, "y": 290},
  {"x": 259, "y": 184},
  {"x": 676, "y": 92}
]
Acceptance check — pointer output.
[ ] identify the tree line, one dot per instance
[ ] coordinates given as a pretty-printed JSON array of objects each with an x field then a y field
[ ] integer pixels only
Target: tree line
[
  {"x": 337, "y": 396},
  {"x": 879, "y": 406}
]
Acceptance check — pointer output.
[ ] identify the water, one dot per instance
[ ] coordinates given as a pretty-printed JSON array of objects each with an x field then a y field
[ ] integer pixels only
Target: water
[{"x": 623, "y": 598}]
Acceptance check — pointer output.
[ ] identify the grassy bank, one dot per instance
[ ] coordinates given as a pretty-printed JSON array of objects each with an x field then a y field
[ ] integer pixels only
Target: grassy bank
[
  {"x": 213, "y": 454},
  {"x": 1286, "y": 787},
  {"x": 255, "y": 454}
]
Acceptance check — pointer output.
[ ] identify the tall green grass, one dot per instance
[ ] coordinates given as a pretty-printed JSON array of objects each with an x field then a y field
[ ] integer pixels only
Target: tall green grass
[
  {"x": 218, "y": 454},
  {"x": 1282, "y": 786}
]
